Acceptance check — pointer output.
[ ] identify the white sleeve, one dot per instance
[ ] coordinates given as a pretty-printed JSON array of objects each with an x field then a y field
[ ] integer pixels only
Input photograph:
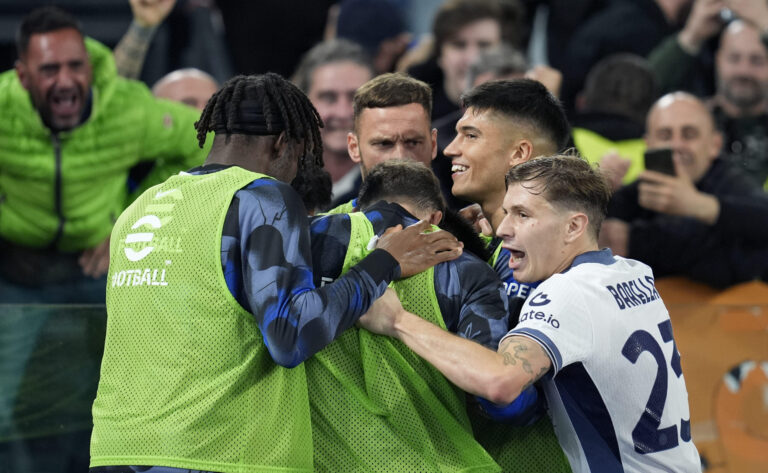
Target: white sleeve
[{"x": 556, "y": 317}]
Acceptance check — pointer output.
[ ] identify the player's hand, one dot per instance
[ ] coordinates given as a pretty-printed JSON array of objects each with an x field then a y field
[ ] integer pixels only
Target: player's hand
[
  {"x": 383, "y": 314},
  {"x": 474, "y": 215},
  {"x": 417, "y": 251},
  {"x": 676, "y": 195},
  {"x": 150, "y": 13},
  {"x": 95, "y": 261}
]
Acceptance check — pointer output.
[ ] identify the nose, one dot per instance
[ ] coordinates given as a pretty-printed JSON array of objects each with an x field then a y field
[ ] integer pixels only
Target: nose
[
  {"x": 342, "y": 108},
  {"x": 452, "y": 150},
  {"x": 64, "y": 78},
  {"x": 505, "y": 229}
]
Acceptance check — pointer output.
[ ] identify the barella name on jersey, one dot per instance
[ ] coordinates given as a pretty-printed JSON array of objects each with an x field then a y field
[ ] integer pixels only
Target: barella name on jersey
[{"x": 633, "y": 293}]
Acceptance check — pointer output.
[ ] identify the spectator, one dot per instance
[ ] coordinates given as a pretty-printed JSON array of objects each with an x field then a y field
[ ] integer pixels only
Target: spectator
[
  {"x": 679, "y": 224},
  {"x": 190, "y": 86},
  {"x": 462, "y": 30},
  {"x": 378, "y": 26},
  {"x": 740, "y": 104},
  {"x": 72, "y": 130},
  {"x": 190, "y": 347},
  {"x": 329, "y": 74},
  {"x": 502, "y": 62},
  {"x": 635, "y": 26},
  {"x": 132, "y": 49},
  {"x": 582, "y": 334},
  {"x": 464, "y": 296},
  {"x": 610, "y": 120}
]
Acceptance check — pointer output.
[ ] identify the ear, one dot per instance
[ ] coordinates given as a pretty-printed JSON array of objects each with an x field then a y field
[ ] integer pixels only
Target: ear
[
  {"x": 522, "y": 151},
  {"x": 281, "y": 143},
  {"x": 436, "y": 217},
  {"x": 716, "y": 144},
  {"x": 353, "y": 147},
  {"x": 22, "y": 74},
  {"x": 434, "y": 142},
  {"x": 577, "y": 225}
]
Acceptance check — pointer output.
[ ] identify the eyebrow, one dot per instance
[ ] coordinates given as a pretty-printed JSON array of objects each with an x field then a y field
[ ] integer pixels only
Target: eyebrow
[{"x": 466, "y": 128}]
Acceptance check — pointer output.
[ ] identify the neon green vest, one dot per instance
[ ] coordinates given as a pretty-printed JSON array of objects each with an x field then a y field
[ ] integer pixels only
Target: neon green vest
[
  {"x": 593, "y": 147},
  {"x": 186, "y": 380},
  {"x": 345, "y": 208},
  {"x": 377, "y": 406}
]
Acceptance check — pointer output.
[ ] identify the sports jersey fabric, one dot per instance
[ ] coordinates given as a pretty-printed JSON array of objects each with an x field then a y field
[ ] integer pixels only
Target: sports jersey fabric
[
  {"x": 616, "y": 390},
  {"x": 188, "y": 378}
]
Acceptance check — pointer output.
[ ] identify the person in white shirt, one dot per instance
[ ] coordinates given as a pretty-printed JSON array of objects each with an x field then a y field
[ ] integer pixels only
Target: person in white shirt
[{"x": 595, "y": 332}]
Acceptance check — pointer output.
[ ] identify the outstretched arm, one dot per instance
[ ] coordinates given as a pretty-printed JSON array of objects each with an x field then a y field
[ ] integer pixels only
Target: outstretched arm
[
  {"x": 496, "y": 376},
  {"x": 268, "y": 267},
  {"x": 132, "y": 48}
]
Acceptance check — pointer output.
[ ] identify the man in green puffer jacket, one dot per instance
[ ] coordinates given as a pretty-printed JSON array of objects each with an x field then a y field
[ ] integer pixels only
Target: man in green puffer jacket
[{"x": 70, "y": 132}]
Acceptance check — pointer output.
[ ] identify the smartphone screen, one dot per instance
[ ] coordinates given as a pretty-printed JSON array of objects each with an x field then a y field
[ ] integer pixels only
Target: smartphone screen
[{"x": 660, "y": 160}]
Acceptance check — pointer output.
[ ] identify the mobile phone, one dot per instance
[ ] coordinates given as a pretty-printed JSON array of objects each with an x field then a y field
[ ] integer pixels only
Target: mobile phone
[{"x": 660, "y": 160}]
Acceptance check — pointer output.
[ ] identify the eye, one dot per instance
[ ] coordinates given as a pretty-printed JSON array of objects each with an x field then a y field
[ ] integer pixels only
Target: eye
[{"x": 328, "y": 97}]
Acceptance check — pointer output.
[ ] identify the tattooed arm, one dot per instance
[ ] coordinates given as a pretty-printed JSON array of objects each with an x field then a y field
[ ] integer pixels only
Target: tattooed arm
[{"x": 496, "y": 376}]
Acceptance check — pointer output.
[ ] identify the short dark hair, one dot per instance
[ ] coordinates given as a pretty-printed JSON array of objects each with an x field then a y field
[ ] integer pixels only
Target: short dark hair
[
  {"x": 568, "y": 182},
  {"x": 454, "y": 15},
  {"x": 329, "y": 52},
  {"x": 43, "y": 20},
  {"x": 263, "y": 104},
  {"x": 392, "y": 90},
  {"x": 523, "y": 100},
  {"x": 622, "y": 84},
  {"x": 403, "y": 180}
]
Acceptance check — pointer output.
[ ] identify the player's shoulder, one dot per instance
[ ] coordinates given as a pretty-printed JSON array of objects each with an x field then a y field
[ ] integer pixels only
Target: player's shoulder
[{"x": 265, "y": 193}]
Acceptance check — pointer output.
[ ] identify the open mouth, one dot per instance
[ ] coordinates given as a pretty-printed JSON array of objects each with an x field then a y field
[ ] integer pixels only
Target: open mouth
[
  {"x": 516, "y": 258},
  {"x": 65, "y": 104}
]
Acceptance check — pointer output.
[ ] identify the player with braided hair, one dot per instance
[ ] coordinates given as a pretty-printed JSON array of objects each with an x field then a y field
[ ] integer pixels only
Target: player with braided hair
[{"x": 210, "y": 299}]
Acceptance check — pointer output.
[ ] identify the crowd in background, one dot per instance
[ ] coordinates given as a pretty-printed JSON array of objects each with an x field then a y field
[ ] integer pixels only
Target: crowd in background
[
  {"x": 622, "y": 82},
  {"x": 607, "y": 61}
]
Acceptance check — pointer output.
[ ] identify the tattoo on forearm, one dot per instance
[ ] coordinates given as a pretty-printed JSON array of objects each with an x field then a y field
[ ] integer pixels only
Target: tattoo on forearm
[{"x": 514, "y": 351}]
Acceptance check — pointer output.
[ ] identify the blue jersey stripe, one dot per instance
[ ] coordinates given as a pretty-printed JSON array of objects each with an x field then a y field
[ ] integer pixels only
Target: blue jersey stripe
[
  {"x": 545, "y": 342},
  {"x": 590, "y": 419}
]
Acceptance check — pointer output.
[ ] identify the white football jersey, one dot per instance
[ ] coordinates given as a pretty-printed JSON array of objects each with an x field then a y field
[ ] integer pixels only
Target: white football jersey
[{"x": 616, "y": 391}]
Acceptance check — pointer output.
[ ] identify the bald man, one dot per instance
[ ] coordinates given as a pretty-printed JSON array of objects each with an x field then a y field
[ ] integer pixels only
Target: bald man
[
  {"x": 679, "y": 224},
  {"x": 190, "y": 86},
  {"x": 740, "y": 102}
]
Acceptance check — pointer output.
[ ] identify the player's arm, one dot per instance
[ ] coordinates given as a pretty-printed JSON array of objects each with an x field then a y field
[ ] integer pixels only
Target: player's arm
[
  {"x": 496, "y": 376},
  {"x": 295, "y": 318},
  {"x": 472, "y": 301}
]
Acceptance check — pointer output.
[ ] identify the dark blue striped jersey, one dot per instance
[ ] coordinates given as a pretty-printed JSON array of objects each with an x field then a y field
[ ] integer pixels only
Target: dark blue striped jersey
[
  {"x": 470, "y": 295},
  {"x": 267, "y": 264}
]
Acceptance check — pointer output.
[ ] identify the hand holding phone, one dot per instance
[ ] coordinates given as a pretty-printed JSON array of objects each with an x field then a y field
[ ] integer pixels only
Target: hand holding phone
[{"x": 660, "y": 160}]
